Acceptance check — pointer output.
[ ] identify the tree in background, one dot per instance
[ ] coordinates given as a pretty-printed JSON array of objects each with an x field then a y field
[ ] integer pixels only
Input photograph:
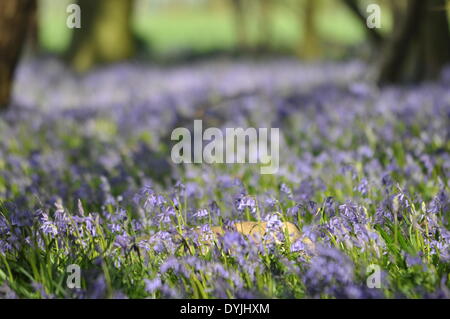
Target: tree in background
[
  {"x": 397, "y": 8},
  {"x": 242, "y": 13},
  {"x": 105, "y": 35},
  {"x": 240, "y": 23},
  {"x": 266, "y": 10},
  {"x": 15, "y": 17},
  {"x": 309, "y": 46},
  {"x": 419, "y": 47}
]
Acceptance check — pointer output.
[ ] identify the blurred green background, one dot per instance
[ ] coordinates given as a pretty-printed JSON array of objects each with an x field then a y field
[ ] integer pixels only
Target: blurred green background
[
  {"x": 167, "y": 27},
  {"x": 411, "y": 44}
]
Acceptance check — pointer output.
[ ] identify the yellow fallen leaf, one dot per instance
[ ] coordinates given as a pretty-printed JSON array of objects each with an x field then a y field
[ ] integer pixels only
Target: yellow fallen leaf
[
  {"x": 254, "y": 230},
  {"x": 258, "y": 230}
]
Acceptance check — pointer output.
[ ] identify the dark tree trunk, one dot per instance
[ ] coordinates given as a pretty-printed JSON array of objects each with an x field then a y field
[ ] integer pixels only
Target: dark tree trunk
[
  {"x": 420, "y": 47},
  {"x": 33, "y": 29},
  {"x": 105, "y": 35},
  {"x": 397, "y": 7},
  {"x": 15, "y": 16},
  {"x": 436, "y": 38}
]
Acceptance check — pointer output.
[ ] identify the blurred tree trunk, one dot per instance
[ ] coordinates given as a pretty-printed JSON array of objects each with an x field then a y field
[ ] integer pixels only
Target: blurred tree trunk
[
  {"x": 240, "y": 23},
  {"x": 105, "y": 35},
  {"x": 15, "y": 16},
  {"x": 33, "y": 29},
  {"x": 265, "y": 23},
  {"x": 397, "y": 7},
  {"x": 420, "y": 47},
  {"x": 436, "y": 38},
  {"x": 309, "y": 46}
]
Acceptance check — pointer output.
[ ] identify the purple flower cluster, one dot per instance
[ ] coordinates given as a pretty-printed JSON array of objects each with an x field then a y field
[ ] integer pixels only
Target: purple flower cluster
[{"x": 86, "y": 178}]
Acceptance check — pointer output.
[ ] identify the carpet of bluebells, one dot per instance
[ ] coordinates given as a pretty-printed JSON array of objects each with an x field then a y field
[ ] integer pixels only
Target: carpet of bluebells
[{"x": 86, "y": 178}]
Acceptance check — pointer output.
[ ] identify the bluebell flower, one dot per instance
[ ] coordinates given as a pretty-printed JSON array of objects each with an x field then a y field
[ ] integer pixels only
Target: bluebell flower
[
  {"x": 244, "y": 202},
  {"x": 329, "y": 272},
  {"x": 166, "y": 214},
  {"x": 152, "y": 285},
  {"x": 201, "y": 213},
  {"x": 123, "y": 241}
]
